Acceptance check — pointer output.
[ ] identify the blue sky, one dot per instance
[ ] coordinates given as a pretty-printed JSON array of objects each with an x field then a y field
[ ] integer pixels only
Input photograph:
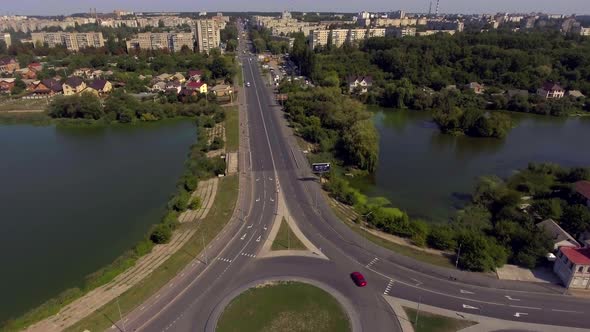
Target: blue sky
[{"x": 53, "y": 7}]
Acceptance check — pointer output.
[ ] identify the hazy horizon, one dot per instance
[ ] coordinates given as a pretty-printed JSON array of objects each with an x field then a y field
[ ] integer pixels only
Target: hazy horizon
[{"x": 65, "y": 7}]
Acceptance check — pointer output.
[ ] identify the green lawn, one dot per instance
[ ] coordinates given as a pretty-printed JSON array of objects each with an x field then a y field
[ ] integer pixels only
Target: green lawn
[
  {"x": 22, "y": 104},
  {"x": 286, "y": 240},
  {"x": 285, "y": 307},
  {"x": 404, "y": 250},
  {"x": 209, "y": 227},
  {"x": 232, "y": 130},
  {"x": 428, "y": 322}
]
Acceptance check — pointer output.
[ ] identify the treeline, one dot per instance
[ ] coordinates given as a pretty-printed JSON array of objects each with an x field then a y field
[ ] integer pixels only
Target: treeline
[
  {"x": 339, "y": 126},
  {"x": 498, "y": 226},
  {"x": 262, "y": 41},
  {"x": 124, "y": 108}
]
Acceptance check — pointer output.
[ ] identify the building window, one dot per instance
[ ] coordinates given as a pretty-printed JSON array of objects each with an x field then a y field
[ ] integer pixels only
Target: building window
[{"x": 580, "y": 269}]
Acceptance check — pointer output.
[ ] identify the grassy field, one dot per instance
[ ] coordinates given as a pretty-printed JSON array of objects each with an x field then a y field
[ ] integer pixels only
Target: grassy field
[
  {"x": 209, "y": 227},
  {"x": 404, "y": 250},
  {"x": 22, "y": 104},
  {"x": 286, "y": 240},
  {"x": 428, "y": 322},
  {"x": 232, "y": 130},
  {"x": 285, "y": 307},
  {"x": 40, "y": 119}
]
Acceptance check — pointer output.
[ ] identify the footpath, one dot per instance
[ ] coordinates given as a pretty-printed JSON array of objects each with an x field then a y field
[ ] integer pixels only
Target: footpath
[{"x": 93, "y": 300}]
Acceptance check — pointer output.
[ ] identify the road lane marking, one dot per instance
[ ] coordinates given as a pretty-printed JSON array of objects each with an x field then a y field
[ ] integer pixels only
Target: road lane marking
[
  {"x": 227, "y": 260},
  {"x": 248, "y": 255},
  {"x": 418, "y": 282},
  {"x": 510, "y": 298},
  {"x": 518, "y": 314},
  {"x": 243, "y": 236},
  {"x": 388, "y": 288},
  {"x": 258, "y": 199},
  {"x": 462, "y": 291},
  {"x": 258, "y": 239},
  {"x": 264, "y": 227},
  {"x": 524, "y": 307},
  {"x": 466, "y": 306},
  {"x": 568, "y": 311},
  {"x": 250, "y": 226}
]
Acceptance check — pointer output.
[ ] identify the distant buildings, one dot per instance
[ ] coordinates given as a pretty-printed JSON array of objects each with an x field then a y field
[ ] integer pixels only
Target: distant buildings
[
  {"x": 208, "y": 35},
  {"x": 5, "y": 37},
  {"x": 400, "y": 32},
  {"x": 73, "y": 41},
  {"x": 360, "y": 84},
  {"x": 173, "y": 41},
  {"x": 573, "y": 267},
  {"x": 337, "y": 37},
  {"x": 8, "y": 65}
]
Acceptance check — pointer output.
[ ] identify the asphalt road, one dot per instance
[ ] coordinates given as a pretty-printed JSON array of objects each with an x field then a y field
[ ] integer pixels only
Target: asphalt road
[{"x": 189, "y": 301}]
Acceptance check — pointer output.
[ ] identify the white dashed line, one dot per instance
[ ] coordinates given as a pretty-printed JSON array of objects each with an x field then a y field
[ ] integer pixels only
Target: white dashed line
[
  {"x": 372, "y": 262},
  {"x": 388, "y": 288}
]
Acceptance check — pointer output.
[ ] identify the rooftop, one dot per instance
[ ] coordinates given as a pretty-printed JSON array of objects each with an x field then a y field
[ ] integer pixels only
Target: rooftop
[
  {"x": 556, "y": 233},
  {"x": 578, "y": 256},
  {"x": 583, "y": 188}
]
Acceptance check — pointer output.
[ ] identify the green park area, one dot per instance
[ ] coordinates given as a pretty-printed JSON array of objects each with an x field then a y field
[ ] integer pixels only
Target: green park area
[
  {"x": 287, "y": 307},
  {"x": 428, "y": 322},
  {"x": 286, "y": 240}
]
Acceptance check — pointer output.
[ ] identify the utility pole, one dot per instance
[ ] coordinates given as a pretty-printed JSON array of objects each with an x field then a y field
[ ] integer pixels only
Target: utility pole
[
  {"x": 288, "y": 234},
  {"x": 458, "y": 254},
  {"x": 120, "y": 315},
  {"x": 418, "y": 312}
]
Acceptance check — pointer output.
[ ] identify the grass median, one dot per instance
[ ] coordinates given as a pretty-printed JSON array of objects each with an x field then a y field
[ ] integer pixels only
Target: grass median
[
  {"x": 428, "y": 322},
  {"x": 232, "y": 131},
  {"x": 286, "y": 240},
  {"x": 285, "y": 306},
  {"x": 218, "y": 217}
]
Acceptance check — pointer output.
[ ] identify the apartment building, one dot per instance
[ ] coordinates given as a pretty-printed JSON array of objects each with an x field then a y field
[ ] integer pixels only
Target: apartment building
[
  {"x": 356, "y": 35},
  {"x": 207, "y": 35},
  {"x": 319, "y": 38},
  {"x": 73, "y": 41},
  {"x": 400, "y": 32},
  {"x": 377, "y": 32},
  {"x": 438, "y": 24},
  {"x": 339, "y": 36},
  {"x": 573, "y": 267},
  {"x": 174, "y": 41},
  {"x": 5, "y": 37},
  {"x": 180, "y": 40}
]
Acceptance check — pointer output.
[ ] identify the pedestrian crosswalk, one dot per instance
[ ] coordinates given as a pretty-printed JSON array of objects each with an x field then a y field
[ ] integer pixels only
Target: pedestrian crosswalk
[
  {"x": 248, "y": 255},
  {"x": 388, "y": 288},
  {"x": 227, "y": 260},
  {"x": 372, "y": 262}
]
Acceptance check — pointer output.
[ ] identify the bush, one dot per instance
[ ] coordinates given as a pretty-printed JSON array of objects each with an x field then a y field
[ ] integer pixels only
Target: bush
[
  {"x": 180, "y": 201},
  {"x": 442, "y": 238},
  {"x": 195, "y": 203},
  {"x": 161, "y": 234}
]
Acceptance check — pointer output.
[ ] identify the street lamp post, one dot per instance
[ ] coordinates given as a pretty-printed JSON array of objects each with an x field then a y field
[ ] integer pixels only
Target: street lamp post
[{"x": 458, "y": 255}]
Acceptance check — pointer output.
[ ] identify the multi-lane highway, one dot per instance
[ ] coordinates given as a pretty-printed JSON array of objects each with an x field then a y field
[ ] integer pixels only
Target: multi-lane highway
[{"x": 270, "y": 159}]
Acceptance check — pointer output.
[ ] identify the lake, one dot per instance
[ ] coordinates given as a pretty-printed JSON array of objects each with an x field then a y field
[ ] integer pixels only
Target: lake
[
  {"x": 430, "y": 175},
  {"x": 74, "y": 199}
]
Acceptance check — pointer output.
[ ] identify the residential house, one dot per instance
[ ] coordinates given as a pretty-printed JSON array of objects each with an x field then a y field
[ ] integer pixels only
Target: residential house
[
  {"x": 179, "y": 77},
  {"x": 359, "y": 83},
  {"x": 517, "y": 92},
  {"x": 558, "y": 235},
  {"x": 200, "y": 87},
  {"x": 47, "y": 87},
  {"x": 158, "y": 87},
  {"x": 173, "y": 86},
  {"x": 35, "y": 66},
  {"x": 573, "y": 267},
  {"x": 102, "y": 87},
  {"x": 186, "y": 93},
  {"x": 73, "y": 85},
  {"x": 195, "y": 75},
  {"x": 475, "y": 87},
  {"x": 8, "y": 65},
  {"x": 6, "y": 85},
  {"x": 221, "y": 90},
  {"x": 26, "y": 73},
  {"x": 551, "y": 90},
  {"x": 575, "y": 94},
  {"x": 83, "y": 72},
  {"x": 163, "y": 77},
  {"x": 583, "y": 189}
]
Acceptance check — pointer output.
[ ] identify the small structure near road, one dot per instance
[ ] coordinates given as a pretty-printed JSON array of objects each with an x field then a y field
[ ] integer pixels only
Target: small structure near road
[
  {"x": 573, "y": 267},
  {"x": 558, "y": 235}
]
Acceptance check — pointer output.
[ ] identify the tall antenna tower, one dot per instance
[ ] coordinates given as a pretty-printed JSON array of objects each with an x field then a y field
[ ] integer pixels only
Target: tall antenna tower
[
  {"x": 430, "y": 9},
  {"x": 437, "y": 6}
]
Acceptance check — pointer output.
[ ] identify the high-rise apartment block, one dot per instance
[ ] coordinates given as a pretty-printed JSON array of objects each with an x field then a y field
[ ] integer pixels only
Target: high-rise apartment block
[
  {"x": 337, "y": 37},
  {"x": 174, "y": 41},
  {"x": 5, "y": 37},
  {"x": 73, "y": 41},
  {"x": 207, "y": 35}
]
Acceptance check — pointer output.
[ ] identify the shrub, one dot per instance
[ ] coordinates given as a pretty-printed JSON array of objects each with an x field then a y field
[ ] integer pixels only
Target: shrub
[
  {"x": 195, "y": 203},
  {"x": 161, "y": 234}
]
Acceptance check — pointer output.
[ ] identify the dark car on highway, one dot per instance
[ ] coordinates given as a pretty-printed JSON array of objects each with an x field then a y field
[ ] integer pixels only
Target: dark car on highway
[{"x": 358, "y": 279}]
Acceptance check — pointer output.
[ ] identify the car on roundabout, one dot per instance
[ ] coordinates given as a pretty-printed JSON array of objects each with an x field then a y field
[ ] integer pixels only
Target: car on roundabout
[{"x": 358, "y": 279}]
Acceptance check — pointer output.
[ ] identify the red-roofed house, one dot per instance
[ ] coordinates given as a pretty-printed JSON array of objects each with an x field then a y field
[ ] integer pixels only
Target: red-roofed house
[
  {"x": 551, "y": 91},
  {"x": 35, "y": 66},
  {"x": 200, "y": 87},
  {"x": 195, "y": 75},
  {"x": 583, "y": 188},
  {"x": 573, "y": 267}
]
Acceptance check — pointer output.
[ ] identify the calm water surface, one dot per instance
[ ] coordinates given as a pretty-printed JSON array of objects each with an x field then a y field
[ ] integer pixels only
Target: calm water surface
[
  {"x": 74, "y": 199},
  {"x": 430, "y": 175}
]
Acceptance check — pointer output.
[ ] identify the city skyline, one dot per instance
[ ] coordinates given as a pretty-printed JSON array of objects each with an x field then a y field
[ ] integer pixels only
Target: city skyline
[{"x": 65, "y": 7}]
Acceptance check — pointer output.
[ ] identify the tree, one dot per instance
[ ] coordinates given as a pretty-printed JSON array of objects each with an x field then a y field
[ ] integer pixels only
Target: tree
[
  {"x": 576, "y": 219},
  {"x": 480, "y": 253},
  {"x": 19, "y": 86},
  {"x": 361, "y": 144},
  {"x": 442, "y": 238},
  {"x": 84, "y": 106},
  {"x": 548, "y": 208},
  {"x": 161, "y": 234}
]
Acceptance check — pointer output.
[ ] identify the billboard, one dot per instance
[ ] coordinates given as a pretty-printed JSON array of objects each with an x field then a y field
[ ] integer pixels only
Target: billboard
[{"x": 320, "y": 167}]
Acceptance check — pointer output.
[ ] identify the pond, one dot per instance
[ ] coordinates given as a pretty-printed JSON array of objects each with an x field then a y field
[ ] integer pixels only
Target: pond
[
  {"x": 74, "y": 199},
  {"x": 430, "y": 174}
]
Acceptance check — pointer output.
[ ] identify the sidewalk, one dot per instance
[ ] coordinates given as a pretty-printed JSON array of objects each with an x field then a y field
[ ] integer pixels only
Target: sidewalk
[{"x": 93, "y": 300}]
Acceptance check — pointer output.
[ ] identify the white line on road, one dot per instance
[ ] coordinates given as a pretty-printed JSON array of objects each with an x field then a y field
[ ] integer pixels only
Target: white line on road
[
  {"x": 264, "y": 227},
  {"x": 250, "y": 226},
  {"x": 258, "y": 239},
  {"x": 372, "y": 262},
  {"x": 466, "y": 306},
  {"x": 243, "y": 236},
  {"x": 388, "y": 288},
  {"x": 524, "y": 307},
  {"x": 258, "y": 199},
  {"x": 510, "y": 298},
  {"x": 462, "y": 291},
  {"x": 518, "y": 314},
  {"x": 568, "y": 311},
  {"x": 418, "y": 282}
]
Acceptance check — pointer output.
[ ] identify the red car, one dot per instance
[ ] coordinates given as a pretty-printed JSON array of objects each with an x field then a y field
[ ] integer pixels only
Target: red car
[{"x": 358, "y": 279}]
